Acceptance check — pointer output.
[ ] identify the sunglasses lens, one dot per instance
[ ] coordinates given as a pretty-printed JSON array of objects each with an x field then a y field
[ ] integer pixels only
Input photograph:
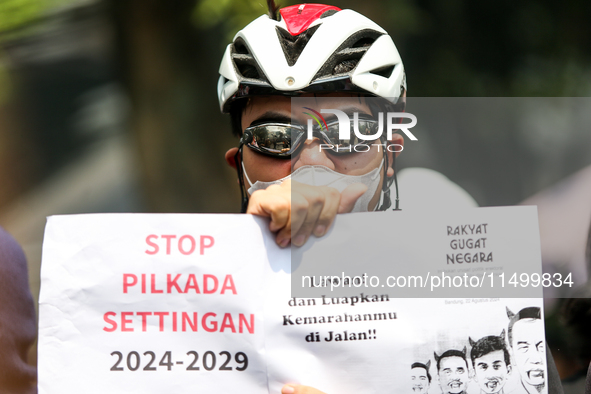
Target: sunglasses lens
[
  {"x": 274, "y": 139},
  {"x": 277, "y": 139},
  {"x": 366, "y": 127}
]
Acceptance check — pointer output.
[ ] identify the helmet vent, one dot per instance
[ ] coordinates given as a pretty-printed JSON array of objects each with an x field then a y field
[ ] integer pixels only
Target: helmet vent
[
  {"x": 364, "y": 42},
  {"x": 385, "y": 72},
  {"x": 246, "y": 67},
  {"x": 347, "y": 56},
  {"x": 240, "y": 47},
  {"x": 245, "y": 63},
  {"x": 293, "y": 46},
  {"x": 345, "y": 66},
  {"x": 328, "y": 13}
]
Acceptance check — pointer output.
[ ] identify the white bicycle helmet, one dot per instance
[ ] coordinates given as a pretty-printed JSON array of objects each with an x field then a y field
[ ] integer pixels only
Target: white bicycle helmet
[{"x": 310, "y": 48}]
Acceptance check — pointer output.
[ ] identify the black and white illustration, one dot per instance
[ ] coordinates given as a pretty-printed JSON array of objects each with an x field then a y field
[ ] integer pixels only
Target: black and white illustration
[
  {"x": 491, "y": 362},
  {"x": 420, "y": 378},
  {"x": 452, "y": 369},
  {"x": 474, "y": 360},
  {"x": 526, "y": 338}
]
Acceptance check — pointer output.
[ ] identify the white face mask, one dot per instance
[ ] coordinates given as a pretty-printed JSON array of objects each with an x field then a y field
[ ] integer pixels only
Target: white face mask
[{"x": 323, "y": 176}]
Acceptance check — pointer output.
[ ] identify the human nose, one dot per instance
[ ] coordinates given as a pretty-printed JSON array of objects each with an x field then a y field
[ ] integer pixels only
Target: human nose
[
  {"x": 536, "y": 357},
  {"x": 312, "y": 154}
]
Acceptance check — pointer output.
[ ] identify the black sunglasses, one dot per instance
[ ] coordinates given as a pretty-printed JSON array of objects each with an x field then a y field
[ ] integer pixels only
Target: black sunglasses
[{"x": 282, "y": 140}]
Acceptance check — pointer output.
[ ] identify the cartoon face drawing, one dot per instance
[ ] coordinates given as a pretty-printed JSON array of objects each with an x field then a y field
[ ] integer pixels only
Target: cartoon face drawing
[
  {"x": 453, "y": 374},
  {"x": 491, "y": 372}
]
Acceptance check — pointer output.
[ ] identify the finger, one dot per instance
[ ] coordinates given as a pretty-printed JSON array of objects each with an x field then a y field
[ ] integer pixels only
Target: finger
[
  {"x": 299, "y": 212},
  {"x": 315, "y": 198},
  {"x": 283, "y": 237},
  {"x": 349, "y": 197},
  {"x": 276, "y": 204},
  {"x": 281, "y": 211},
  {"x": 329, "y": 211},
  {"x": 268, "y": 203},
  {"x": 299, "y": 389}
]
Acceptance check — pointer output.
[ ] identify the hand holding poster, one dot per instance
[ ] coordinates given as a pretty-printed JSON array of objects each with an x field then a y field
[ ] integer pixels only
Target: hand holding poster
[{"x": 185, "y": 303}]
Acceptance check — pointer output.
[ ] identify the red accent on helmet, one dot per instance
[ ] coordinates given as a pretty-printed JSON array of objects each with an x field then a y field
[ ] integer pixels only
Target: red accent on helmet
[{"x": 299, "y": 17}]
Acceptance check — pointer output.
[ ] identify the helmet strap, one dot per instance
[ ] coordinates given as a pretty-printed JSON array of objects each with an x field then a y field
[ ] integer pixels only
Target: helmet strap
[
  {"x": 386, "y": 199},
  {"x": 397, "y": 201},
  {"x": 243, "y": 193}
]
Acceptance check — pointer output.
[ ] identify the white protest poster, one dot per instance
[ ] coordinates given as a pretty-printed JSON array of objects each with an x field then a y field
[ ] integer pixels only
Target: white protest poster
[
  {"x": 152, "y": 304},
  {"x": 367, "y": 339},
  {"x": 204, "y": 303}
]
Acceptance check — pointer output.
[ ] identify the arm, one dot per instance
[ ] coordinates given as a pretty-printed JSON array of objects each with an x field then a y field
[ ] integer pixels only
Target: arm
[{"x": 17, "y": 320}]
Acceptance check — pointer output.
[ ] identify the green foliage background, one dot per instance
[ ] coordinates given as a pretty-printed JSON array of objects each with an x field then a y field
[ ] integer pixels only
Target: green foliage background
[{"x": 164, "y": 56}]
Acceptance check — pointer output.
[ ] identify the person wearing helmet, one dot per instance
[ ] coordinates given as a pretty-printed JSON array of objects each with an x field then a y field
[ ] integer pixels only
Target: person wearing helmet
[
  {"x": 346, "y": 60},
  {"x": 317, "y": 51}
]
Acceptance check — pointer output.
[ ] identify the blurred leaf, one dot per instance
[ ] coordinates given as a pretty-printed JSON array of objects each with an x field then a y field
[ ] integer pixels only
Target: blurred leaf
[
  {"x": 233, "y": 15},
  {"x": 16, "y": 14},
  {"x": 209, "y": 13}
]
